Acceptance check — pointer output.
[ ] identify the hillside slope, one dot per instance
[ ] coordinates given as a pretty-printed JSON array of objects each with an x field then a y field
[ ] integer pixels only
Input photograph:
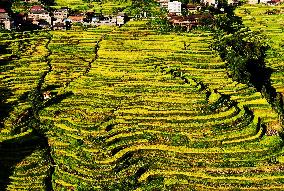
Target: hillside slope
[{"x": 136, "y": 110}]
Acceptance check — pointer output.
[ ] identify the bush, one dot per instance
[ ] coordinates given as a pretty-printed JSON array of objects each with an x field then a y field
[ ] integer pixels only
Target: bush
[{"x": 160, "y": 24}]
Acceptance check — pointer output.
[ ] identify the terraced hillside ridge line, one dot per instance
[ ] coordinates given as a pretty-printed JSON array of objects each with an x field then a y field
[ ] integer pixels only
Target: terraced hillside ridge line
[
  {"x": 38, "y": 132},
  {"x": 48, "y": 179},
  {"x": 258, "y": 18}
]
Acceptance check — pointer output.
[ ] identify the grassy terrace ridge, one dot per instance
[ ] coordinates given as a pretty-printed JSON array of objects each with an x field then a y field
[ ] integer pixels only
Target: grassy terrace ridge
[
  {"x": 105, "y": 7},
  {"x": 134, "y": 110}
]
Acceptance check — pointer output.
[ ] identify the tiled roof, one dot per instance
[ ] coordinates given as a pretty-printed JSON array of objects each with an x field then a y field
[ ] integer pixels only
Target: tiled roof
[
  {"x": 76, "y": 18},
  {"x": 2, "y": 10},
  {"x": 36, "y": 7}
]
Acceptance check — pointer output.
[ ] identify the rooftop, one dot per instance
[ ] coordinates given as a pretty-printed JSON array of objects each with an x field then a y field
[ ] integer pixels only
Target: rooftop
[
  {"x": 2, "y": 10},
  {"x": 76, "y": 18},
  {"x": 36, "y": 7},
  {"x": 4, "y": 16},
  {"x": 121, "y": 14},
  {"x": 61, "y": 10},
  {"x": 39, "y": 12}
]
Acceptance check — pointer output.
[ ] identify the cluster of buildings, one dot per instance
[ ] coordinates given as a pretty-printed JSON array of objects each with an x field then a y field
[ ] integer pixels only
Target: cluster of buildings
[
  {"x": 60, "y": 19},
  {"x": 39, "y": 16},
  {"x": 268, "y": 2},
  {"x": 194, "y": 17},
  {"x": 6, "y": 21},
  {"x": 175, "y": 7}
]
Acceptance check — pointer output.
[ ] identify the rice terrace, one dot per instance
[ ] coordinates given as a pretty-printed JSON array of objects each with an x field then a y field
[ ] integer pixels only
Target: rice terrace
[{"x": 141, "y": 95}]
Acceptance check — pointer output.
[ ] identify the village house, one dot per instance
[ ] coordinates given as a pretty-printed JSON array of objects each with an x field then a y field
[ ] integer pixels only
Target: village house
[
  {"x": 76, "y": 18},
  {"x": 107, "y": 21},
  {"x": 61, "y": 14},
  {"x": 187, "y": 22},
  {"x": 93, "y": 17},
  {"x": 253, "y": 1},
  {"x": 191, "y": 8},
  {"x": 5, "y": 20},
  {"x": 96, "y": 18},
  {"x": 120, "y": 19},
  {"x": 38, "y": 13},
  {"x": 174, "y": 8},
  {"x": 59, "y": 19}
]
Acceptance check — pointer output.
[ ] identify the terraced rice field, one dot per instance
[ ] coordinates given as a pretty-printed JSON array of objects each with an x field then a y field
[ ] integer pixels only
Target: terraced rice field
[
  {"x": 28, "y": 64},
  {"x": 136, "y": 110},
  {"x": 22, "y": 150},
  {"x": 258, "y": 19},
  {"x": 105, "y": 7}
]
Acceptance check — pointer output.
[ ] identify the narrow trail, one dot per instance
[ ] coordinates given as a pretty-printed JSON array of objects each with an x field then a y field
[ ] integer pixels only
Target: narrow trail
[
  {"x": 46, "y": 58},
  {"x": 97, "y": 47},
  {"x": 48, "y": 180}
]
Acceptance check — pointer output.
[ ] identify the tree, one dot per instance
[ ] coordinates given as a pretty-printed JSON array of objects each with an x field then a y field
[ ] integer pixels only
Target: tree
[
  {"x": 47, "y": 2},
  {"x": 228, "y": 23},
  {"x": 244, "y": 53},
  {"x": 160, "y": 24},
  {"x": 141, "y": 7}
]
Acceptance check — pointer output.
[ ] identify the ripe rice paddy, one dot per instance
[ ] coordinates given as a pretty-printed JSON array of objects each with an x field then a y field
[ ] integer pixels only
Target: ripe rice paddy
[{"x": 133, "y": 109}]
